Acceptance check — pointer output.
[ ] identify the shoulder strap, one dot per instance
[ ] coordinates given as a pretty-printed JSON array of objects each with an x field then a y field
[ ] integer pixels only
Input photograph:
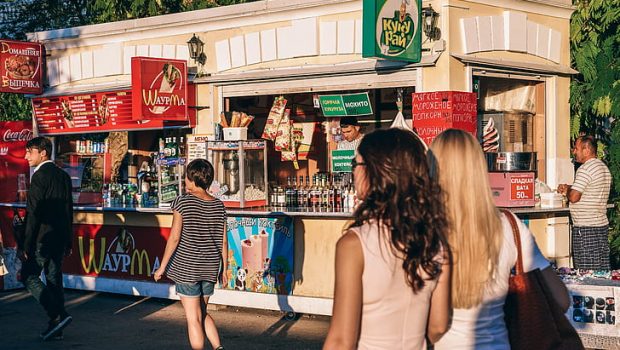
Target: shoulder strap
[{"x": 517, "y": 238}]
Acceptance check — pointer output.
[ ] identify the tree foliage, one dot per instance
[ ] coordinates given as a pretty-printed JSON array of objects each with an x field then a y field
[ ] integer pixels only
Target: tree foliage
[
  {"x": 14, "y": 107},
  {"x": 595, "y": 92}
]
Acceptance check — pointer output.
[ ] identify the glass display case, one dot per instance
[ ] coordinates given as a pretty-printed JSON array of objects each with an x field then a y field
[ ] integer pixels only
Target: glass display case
[
  {"x": 169, "y": 179},
  {"x": 89, "y": 172},
  {"x": 240, "y": 172}
]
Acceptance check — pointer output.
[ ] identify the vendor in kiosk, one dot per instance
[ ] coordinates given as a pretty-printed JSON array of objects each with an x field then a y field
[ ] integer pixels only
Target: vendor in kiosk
[
  {"x": 351, "y": 131},
  {"x": 588, "y": 196}
]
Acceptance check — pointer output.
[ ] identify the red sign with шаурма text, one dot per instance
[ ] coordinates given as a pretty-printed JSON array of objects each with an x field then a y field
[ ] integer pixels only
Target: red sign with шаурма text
[{"x": 159, "y": 88}]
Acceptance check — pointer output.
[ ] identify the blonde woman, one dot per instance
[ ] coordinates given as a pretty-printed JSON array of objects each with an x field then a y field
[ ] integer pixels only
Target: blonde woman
[{"x": 482, "y": 245}]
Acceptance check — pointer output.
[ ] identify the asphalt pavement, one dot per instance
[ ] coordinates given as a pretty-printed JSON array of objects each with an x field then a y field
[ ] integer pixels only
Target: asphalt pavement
[{"x": 108, "y": 321}]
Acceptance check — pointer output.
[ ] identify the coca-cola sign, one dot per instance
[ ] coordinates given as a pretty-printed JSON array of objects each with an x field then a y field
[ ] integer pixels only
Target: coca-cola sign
[
  {"x": 21, "y": 67},
  {"x": 17, "y": 136},
  {"x": 159, "y": 88}
]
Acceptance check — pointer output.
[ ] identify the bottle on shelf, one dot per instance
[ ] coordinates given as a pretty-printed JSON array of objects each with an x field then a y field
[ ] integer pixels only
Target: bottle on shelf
[
  {"x": 294, "y": 190},
  {"x": 174, "y": 148},
  {"x": 281, "y": 197},
  {"x": 316, "y": 193},
  {"x": 351, "y": 199},
  {"x": 166, "y": 152},
  {"x": 273, "y": 195},
  {"x": 331, "y": 193},
  {"x": 308, "y": 192},
  {"x": 324, "y": 192},
  {"x": 301, "y": 193},
  {"x": 288, "y": 192},
  {"x": 181, "y": 147}
]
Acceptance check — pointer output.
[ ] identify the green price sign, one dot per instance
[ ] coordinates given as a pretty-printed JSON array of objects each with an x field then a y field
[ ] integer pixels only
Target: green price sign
[
  {"x": 345, "y": 105},
  {"x": 341, "y": 160}
]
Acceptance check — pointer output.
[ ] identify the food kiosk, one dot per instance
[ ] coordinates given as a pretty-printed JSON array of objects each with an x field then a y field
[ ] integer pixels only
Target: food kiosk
[{"x": 281, "y": 62}]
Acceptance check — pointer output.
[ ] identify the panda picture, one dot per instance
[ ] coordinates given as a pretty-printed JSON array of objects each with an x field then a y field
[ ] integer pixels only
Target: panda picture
[{"x": 240, "y": 279}]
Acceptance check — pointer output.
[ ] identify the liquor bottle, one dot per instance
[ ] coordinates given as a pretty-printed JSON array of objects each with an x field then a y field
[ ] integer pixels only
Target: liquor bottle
[
  {"x": 351, "y": 198},
  {"x": 288, "y": 193},
  {"x": 181, "y": 146},
  {"x": 301, "y": 193},
  {"x": 345, "y": 198},
  {"x": 337, "y": 193},
  {"x": 294, "y": 201},
  {"x": 174, "y": 148},
  {"x": 308, "y": 191},
  {"x": 273, "y": 196},
  {"x": 167, "y": 150},
  {"x": 331, "y": 192},
  {"x": 162, "y": 146},
  {"x": 281, "y": 197},
  {"x": 316, "y": 193},
  {"x": 324, "y": 191}
]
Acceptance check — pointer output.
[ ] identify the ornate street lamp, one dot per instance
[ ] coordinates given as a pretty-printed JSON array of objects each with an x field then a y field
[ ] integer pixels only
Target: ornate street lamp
[
  {"x": 429, "y": 23},
  {"x": 196, "y": 47}
]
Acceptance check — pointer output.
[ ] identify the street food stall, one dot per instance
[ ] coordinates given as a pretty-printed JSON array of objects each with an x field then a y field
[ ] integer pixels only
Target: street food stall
[{"x": 264, "y": 108}]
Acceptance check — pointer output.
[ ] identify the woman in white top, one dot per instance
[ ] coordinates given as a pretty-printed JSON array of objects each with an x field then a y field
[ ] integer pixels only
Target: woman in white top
[
  {"x": 392, "y": 270},
  {"x": 482, "y": 246}
]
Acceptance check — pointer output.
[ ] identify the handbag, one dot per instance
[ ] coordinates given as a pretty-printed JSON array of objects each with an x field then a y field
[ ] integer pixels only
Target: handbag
[
  {"x": 3, "y": 269},
  {"x": 533, "y": 317}
]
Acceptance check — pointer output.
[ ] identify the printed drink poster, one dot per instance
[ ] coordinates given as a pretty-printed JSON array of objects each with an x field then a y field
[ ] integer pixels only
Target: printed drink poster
[{"x": 260, "y": 254}]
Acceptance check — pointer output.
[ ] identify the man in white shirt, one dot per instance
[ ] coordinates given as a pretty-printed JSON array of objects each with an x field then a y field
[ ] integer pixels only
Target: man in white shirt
[
  {"x": 588, "y": 197},
  {"x": 350, "y": 129}
]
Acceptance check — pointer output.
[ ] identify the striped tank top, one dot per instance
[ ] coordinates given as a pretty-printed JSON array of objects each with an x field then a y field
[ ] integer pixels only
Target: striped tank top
[{"x": 198, "y": 255}]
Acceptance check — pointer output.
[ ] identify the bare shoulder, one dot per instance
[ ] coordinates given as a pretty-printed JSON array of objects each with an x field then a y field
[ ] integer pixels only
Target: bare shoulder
[
  {"x": 349, "y": 247},
  {"x": 350, "y": 240}
]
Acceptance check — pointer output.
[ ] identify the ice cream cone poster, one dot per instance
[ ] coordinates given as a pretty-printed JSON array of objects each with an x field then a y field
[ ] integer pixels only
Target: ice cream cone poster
[
  {"x": 260, "y": 254},
  {"x": 159, "y": 88},
  {"x": 21, "y": 67}
]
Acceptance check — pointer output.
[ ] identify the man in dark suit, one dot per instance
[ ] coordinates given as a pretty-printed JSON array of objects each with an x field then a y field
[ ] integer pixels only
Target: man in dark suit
[{"x": 48, "y": 234}]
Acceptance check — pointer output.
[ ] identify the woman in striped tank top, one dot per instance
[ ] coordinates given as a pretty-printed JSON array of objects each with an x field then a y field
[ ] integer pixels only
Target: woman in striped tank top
[{"x": 194, "y": 253}]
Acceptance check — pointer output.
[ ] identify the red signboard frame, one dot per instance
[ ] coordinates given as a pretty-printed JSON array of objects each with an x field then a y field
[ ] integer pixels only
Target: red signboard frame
[
  {"x": 92, "y": 112},
  {"x": 21, "y": 67},
  {"x": 159, "y": 89},
  {"x": 121, "y": 252}
]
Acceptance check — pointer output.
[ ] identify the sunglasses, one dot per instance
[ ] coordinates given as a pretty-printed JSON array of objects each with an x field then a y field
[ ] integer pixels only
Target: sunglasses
[{"x": 355, "y": 164}]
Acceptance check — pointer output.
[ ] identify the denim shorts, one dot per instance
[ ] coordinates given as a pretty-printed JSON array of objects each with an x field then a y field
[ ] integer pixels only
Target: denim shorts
[{"x": 202, "y": 288}]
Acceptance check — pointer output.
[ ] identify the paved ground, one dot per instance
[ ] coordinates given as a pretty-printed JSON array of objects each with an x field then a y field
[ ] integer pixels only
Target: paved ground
[{"x": 107, "y": 321}]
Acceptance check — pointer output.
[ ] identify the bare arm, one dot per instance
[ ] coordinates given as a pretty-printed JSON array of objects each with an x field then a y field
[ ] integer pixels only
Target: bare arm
[
  {"x": 347, "y": 312},
  {"x": 557, "y": 288},
  {"x": 573, "y": 196},
  {"x": 441, "y": 305},
  {"x": 171, "y": 244}
]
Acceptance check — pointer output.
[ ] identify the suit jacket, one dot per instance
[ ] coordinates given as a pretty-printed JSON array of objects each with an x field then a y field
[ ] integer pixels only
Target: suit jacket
[{"x": 49, "y": 213}]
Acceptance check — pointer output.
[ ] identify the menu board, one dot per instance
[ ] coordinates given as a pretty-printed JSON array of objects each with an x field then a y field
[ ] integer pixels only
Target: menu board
[
  {"x": 196, "y": 147},
  {"x": 85, "y": 112}
]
